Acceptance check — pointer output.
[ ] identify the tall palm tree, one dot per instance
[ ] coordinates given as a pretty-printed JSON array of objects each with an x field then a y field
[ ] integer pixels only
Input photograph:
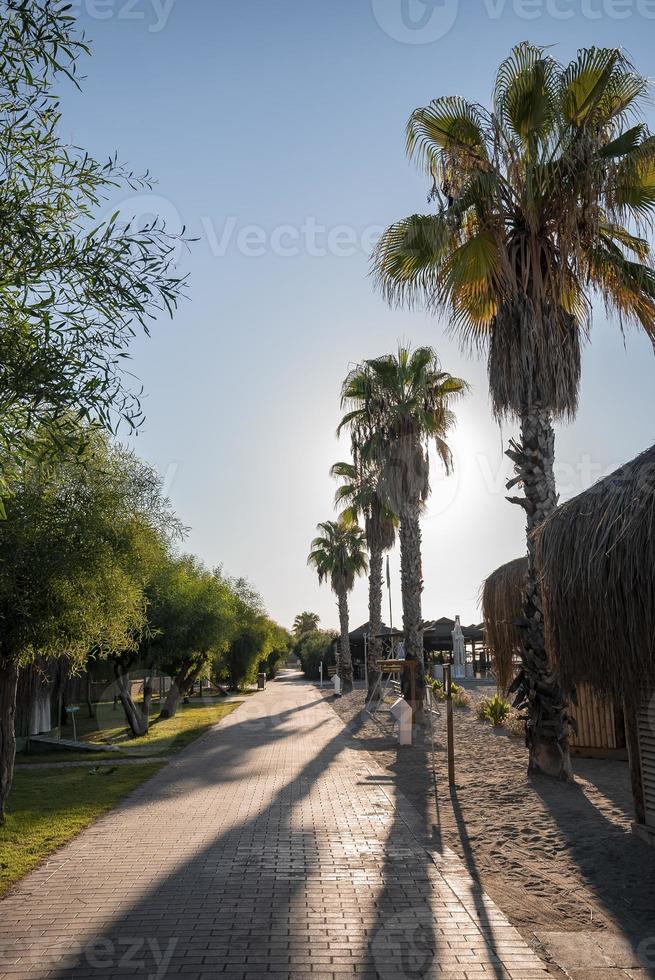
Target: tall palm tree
[
  {"x": 540, "y": 203},
  {"x": 305, "y": 622},
  {"x": 361, "y": 493},
  {"x": 398, "y": 405},
  {"x": 339, "y": 555}
]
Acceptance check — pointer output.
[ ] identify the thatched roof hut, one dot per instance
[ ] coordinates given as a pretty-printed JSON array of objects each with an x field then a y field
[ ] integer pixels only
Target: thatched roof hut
[
  {"x": 502, "y": 602},
  {"x": 596, "y": 556},
  {"x": 438, "y": 635},
  {"x": 599, "y": 723}
]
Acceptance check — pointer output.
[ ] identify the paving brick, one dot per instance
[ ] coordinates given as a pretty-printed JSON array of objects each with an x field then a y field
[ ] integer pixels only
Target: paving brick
[{"x": 271, "y": 848}]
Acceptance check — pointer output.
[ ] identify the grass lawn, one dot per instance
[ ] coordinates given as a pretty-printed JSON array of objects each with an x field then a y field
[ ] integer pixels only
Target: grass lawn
[
  {"x": 164, "y": 737},
  {"x": 49, "y": 807}
]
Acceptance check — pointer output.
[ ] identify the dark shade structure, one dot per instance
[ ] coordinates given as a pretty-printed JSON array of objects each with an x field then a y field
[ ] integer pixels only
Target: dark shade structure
[
  {"x": 596, "y": 556},
  {"x": 438, "y": 634},
  {"x": 502, "y": 602},
  {"x": 597, "y": 561},
  {"x": 358, "y": 639},
  {"x": 599, "y": 727}
]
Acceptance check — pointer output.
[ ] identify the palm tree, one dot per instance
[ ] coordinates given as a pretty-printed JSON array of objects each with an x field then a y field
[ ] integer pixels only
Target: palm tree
[
  {"x": 305, "y": 622},
  {"x": 540, "y": 203},
  {"x": 360, "y": 492},
  {"x": 338, "y": 554},
  {"x": 397, "y": 406}
]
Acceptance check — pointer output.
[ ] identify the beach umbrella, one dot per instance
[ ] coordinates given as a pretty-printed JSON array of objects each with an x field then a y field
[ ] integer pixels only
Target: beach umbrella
[{"x": 459, "y": 654}]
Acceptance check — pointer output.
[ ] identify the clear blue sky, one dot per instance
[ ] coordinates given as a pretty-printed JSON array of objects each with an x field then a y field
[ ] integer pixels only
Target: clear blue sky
[{"x": 276, "y": 131}]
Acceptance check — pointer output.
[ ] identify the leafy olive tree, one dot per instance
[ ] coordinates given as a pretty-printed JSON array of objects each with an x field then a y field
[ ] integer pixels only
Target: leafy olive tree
[
  {"x": 250, "y": 641},
  {"x": 314, "y": 647},
  {"x": 192, "y": 613},
  {"x": 73, "y": 554},
  {"x": 73, "y": 288},
  {"x": 278, "y": 644}
]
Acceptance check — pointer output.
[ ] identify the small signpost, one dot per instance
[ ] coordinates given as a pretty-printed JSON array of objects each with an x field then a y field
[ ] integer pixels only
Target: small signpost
[
  {"x": 70, "y": 711},
  {"x": 320, "y": 672}
]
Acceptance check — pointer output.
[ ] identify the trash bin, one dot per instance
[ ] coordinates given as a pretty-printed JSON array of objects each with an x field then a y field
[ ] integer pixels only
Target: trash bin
[{"x": 261, "y": 682}]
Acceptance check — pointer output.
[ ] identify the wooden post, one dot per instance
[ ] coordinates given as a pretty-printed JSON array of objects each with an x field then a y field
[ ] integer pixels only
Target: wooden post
[
  {"x": 634, "y": 759},
  {"x": 449, "y": 723}
]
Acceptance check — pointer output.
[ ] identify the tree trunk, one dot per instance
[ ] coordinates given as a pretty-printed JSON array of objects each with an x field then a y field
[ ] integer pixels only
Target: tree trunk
[
  {"x": 537, "y": 686},
  {"x": 374, "y": 645},
  {"x": 180, "y": 686},
  {"x": 137, "y": 721},
  {"x": 8, "y": 686},
  {"x": 147, "y": 695},
  {"x": 345, "y": 660},
  {"x": 172, "y": 701},
  {"x": 89, "y": 702},
  {"x": 411, "y": 577}
]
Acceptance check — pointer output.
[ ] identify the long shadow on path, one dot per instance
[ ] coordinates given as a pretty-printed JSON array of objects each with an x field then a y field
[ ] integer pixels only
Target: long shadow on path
[{"x": 287, "y": 862}]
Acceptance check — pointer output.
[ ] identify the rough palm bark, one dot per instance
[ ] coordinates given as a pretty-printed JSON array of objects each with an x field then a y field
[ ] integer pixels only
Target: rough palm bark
[
  {"x": 411, "y": 587},
  {"x": 374, "y": 646},
  {"x": 345, "y": 660},
  {"x": 8, "y": 686},
  {"x": 538, "y": 687}
]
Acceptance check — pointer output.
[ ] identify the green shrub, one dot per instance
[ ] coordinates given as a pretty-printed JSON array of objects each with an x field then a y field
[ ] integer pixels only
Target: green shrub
[
  {"x": 461, "y": 698},
  {"x": 515, "y": 723},
  {"x": 313, "y": 647},
  {"x": 494, "y": 710}
]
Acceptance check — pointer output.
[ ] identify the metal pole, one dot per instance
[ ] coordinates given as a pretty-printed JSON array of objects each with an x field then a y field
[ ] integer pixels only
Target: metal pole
[
  {"x": 389, "y": 591},
  {"x": 366, "y": 660},
  {"x": 449, "y": 723}
]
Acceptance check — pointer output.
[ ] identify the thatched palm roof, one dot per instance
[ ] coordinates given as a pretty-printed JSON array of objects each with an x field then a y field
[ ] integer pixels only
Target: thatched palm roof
[
  {"x": 438, "y": 633},
  {"x": 365, "y": 630},
  {"x": 596, "y": 555},
  {"x": 503, "y": 594}
]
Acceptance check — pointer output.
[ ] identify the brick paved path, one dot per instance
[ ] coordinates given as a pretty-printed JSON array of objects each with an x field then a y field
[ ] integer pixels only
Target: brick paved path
[{"x": 272, "y": 847}]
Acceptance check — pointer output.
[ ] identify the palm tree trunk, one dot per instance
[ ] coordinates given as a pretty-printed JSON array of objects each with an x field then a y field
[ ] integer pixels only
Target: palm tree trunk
[
  {"x": 8, "y": 687},
  {"x": 345, "y": 661},
  {"x": 538, "y": 687},
  {"x": 374, "y": 646},
  {"x": 411, "y": 579}
]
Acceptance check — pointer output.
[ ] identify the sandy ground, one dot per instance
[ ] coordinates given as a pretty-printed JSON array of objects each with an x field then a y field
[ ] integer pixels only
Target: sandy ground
[{"x": 551, "y": 856}]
